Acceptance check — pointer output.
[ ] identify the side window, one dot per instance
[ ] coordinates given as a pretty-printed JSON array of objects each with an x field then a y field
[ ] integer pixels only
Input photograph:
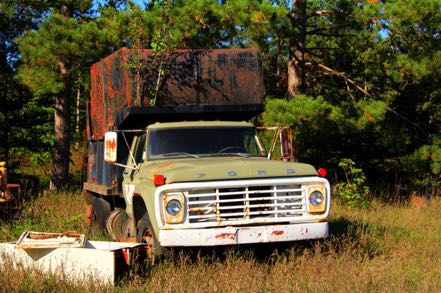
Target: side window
[
  {"x": 140, "y": 149},
  {"x": 250, "y": 145}
]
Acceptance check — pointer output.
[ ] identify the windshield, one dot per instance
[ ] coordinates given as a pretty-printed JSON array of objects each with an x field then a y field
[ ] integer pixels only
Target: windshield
[{"x": 203, "y": 142}]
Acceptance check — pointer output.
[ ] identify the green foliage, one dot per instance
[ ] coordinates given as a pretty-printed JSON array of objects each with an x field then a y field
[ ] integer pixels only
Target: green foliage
[
  {"x": 369, "y": 113},
  {"x": 15, "y": 18},
  {"x": 424, "y": 166},
  {"x": 354, "y": 192},
  {"x": 317, "y": 124},
  {"x": 55, "y": 67},
  {"x": 379, "y": 103},
  {"x": 381, "y": 95},
  {"x": 52, "y": 212}
]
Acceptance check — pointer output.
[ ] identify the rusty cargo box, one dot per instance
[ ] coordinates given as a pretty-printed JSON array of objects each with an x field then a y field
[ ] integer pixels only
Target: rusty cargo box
[{"x": 131, "y": 88}]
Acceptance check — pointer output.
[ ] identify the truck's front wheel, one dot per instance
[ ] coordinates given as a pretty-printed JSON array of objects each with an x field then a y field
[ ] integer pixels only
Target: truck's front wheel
[{"x": 145, "y": 234}]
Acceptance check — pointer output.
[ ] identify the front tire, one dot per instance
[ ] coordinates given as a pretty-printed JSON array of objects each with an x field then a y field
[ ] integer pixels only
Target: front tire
[{"x": 145, "y": 234}]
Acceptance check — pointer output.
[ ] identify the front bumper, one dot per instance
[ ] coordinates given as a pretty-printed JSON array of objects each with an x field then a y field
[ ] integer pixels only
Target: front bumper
[{"x": 243, "y": 235}]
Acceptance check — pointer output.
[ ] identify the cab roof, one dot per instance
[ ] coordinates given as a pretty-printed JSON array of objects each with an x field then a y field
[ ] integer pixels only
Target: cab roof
[{"x": 185, "y": 124}]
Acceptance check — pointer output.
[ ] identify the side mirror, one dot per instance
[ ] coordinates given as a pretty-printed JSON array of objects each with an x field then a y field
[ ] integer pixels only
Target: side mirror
[
  {"x": 110, "y": 147},
  {"x": 286, "y": 147}
]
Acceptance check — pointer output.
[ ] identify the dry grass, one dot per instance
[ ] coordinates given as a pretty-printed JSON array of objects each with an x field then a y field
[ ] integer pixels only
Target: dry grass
[
  {"x": 386, "y": 248},
  {"x": 53, "y": 213}
]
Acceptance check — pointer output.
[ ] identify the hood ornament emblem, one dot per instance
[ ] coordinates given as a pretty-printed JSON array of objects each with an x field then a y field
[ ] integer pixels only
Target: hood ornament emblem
[
  {"x": 232, "y": 173},
  {"x": 200, "y": 175},
  {"x": 261, "y": 172},
  {"x": 290, "y": 171}
]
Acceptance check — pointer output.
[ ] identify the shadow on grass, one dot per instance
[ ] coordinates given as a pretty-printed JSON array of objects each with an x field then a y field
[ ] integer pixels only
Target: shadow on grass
[
  {"x": 359, "y": 237},
  {"x": 346, "y": 237}
]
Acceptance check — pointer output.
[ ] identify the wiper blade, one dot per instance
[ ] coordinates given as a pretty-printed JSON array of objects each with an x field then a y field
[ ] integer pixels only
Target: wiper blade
[
  {"x": 180, "y": 154},
  {"x": 245, "y": 155}
]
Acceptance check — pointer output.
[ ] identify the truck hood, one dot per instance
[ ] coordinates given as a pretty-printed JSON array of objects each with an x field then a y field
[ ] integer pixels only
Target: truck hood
[{"x": 224, "y": 168}]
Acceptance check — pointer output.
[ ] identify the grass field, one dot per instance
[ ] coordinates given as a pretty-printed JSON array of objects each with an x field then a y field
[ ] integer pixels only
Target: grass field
[{"x": 384, "y": 249}]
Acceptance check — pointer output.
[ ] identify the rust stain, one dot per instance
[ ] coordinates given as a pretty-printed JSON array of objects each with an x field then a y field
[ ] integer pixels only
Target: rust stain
[
  {"x": 127, "y": 239},
  {"x": 202, "y": 77},
  {"x": 231, "y": 236},
  {"x": 164, "y": 198},
  {"x": 417, "y": 201},
  {"x": 162, "y": 166},
  {"x": 278, "y": 232},
  {"x": 111, "y": 145},
  {"x": 202, "y": 211}
]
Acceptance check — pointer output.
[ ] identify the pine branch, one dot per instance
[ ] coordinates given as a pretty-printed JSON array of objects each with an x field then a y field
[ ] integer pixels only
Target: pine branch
[
  {"x": 409, "y": 121},
  {"x": 320, "y": 48},
  {"x": 321, "y": 13},
  {"x": 347, "y": 80},
  {"x": 343, "y": 75},
  {"x": 318, "y": 33}
]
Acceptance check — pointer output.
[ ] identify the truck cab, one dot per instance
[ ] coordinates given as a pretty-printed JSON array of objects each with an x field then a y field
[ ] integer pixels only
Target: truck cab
[{"x": 209, "y": 183}]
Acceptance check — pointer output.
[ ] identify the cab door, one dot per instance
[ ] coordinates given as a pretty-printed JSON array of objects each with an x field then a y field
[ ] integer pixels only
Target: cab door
[{"x": 135, "y": 158}]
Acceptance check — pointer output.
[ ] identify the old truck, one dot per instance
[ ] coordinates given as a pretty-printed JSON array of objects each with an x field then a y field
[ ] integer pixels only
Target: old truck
[{"x": 172, "y": 161}]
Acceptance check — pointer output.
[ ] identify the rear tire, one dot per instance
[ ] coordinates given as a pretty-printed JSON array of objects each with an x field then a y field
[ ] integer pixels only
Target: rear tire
[
  {"x": 118, "y": 225},
  {"x": 100, "y": 212}
]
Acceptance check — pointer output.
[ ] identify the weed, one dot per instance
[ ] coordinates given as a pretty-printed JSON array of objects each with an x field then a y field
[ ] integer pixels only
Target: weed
[{"x": 353, "y": 191}]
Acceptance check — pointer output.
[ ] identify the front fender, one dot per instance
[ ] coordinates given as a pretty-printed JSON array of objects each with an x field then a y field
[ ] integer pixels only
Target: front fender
[{"x": 147, "y": 192}]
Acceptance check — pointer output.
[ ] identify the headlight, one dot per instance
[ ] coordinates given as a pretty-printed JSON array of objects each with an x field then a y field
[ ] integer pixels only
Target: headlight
[
  {"x": 173, "y": 207},
  {"x": 316, "y": 198}
]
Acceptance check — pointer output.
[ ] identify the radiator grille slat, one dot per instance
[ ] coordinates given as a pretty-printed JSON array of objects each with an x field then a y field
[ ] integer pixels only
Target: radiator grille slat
[{"x": 245, "y": 203}]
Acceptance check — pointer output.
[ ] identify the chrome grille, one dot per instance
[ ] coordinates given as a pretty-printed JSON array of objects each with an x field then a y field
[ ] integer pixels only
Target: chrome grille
[{"x": 245, "y": 203}]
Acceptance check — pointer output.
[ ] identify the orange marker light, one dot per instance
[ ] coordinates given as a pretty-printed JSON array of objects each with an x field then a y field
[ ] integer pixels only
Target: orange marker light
[
  {"x": 322, "y": 172},
  {"x": 158, "y": 180}
]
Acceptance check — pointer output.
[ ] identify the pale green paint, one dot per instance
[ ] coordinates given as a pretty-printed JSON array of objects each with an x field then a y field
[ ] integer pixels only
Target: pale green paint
[
  {"x": 205, "y": 168},
  {"x": 217, "y": 168}
]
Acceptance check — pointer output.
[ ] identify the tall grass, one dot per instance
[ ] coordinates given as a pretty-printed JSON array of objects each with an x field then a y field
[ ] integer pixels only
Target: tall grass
[{"x": 385, "y": 248}]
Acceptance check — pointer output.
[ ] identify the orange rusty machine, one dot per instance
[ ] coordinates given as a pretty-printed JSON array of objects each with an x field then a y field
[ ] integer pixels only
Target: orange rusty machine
[{"x": 11, "y": 201}]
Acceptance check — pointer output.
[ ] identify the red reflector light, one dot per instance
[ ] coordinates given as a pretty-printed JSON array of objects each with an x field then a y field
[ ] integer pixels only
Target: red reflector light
[
  {"x": 158, "y": 180},
  {"x": 322, "y": 172}
]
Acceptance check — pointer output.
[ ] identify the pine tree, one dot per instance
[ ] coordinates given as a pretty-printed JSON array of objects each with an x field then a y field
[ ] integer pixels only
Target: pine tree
[
  {"x": 15, "y": 18},
  {"x": 54, "y": 58}
]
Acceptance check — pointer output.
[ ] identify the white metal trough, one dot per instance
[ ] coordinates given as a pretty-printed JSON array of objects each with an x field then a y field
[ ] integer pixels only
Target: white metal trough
[{"x": 101, "y": 261}]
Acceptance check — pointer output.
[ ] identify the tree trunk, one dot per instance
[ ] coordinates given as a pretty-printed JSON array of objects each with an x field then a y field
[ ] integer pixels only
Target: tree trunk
[
  {"x": 60, "y": 158},
  {"x": 6, "y": 134},
  {"x": 61, "y": 154},
  {"x": 77, "y": 117},
  {"x": 296, "y": 63},
  {"x": 4, "y": 100},
  {"x": 77, "y": 112},
  {"x": 5, "y": 138}
]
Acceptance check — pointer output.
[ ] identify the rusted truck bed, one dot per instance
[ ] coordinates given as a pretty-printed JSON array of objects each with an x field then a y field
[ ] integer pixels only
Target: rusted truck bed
[
  {"x": 201, "y": 79},
  {"x": 131, "y": 89}
]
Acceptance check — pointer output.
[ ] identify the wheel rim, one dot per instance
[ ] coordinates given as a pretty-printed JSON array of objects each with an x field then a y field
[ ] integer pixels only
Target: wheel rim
[
  {"x": 118, "y": 225},
  {"x": 149, "y": 238}
]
